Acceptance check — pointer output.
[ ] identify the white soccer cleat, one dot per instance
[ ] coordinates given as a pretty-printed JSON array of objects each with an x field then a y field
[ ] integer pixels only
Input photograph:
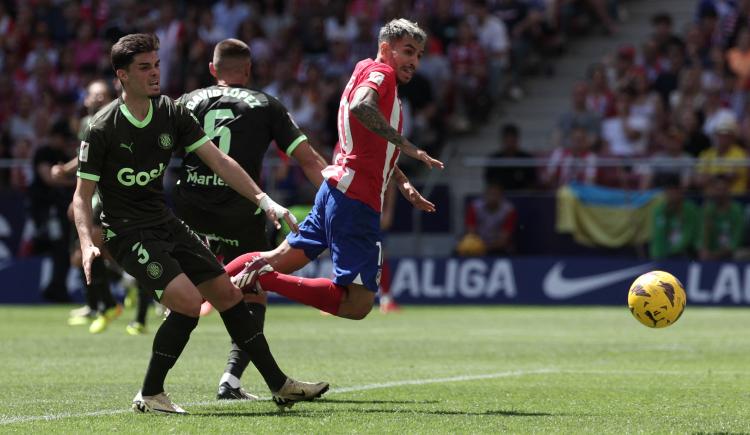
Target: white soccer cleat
[
  {"x": 296, "y": 391},
  {"x": 248, "y": 278},
  {"x": 160, "y": 403}
]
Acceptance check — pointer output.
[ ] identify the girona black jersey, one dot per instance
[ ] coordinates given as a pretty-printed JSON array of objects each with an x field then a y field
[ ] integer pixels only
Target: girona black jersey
[
  {"x": 128, "y": 157},
  {"x": 242, "y": 123}
]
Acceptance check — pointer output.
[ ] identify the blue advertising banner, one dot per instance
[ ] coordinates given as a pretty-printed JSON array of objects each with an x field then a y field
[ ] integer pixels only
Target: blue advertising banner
[
  {"x": 527, "y": 280},
  {"x": 551, "y": 280}
]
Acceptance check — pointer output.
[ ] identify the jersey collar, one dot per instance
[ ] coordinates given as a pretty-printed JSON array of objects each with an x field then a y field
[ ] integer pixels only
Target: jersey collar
[{"x": 133, "y": 120}]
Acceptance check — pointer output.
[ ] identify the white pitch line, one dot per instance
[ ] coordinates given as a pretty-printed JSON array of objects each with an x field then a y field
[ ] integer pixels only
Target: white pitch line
[{"x": 463, "y": 378}]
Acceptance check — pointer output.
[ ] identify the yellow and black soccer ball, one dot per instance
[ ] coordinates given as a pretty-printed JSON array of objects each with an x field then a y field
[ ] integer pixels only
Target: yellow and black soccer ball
[{"x": 657, "y": 299}]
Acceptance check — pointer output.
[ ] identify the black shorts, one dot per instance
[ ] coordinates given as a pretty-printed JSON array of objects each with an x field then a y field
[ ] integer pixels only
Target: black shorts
[
  {"x": 156, "y": 255},
  {"x": 230, "y": 233}
]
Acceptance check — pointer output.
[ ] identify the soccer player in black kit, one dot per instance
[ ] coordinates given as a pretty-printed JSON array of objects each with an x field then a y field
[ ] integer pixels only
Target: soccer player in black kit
[
  {"x": 242, "y": 122},
  {"x": 125, "y": 152}
]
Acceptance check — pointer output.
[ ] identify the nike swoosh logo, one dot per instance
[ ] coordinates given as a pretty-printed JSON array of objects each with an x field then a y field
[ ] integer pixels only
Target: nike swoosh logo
[{"x": 556, "y": 286}]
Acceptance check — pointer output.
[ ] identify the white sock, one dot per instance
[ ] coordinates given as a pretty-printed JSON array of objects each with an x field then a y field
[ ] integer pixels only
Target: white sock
[{"x": 230, "y": 379}]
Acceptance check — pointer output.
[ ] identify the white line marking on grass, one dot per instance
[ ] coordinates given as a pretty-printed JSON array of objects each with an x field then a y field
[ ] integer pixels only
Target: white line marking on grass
[{"x": 463, "y": 378}]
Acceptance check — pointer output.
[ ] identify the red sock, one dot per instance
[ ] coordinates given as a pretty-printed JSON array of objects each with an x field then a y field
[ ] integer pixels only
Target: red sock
[
  {"x": 321, "y": 293},
  {"x": 385, "y": 279},
  {"x": 238, "y": 264}
]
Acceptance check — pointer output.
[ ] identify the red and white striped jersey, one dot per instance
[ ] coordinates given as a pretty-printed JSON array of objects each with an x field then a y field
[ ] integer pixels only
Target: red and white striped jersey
[{"x": 364, "y": 162}]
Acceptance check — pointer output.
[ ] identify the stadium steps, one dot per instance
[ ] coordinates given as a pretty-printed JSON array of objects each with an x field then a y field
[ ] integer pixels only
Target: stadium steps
[{"x": 536, "y": 113}]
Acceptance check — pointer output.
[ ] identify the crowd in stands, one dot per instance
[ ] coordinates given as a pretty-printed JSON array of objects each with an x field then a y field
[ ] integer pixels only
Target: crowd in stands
[
  {"x": 670, "y": 113},
  {"x": 303, "y": 53},
  {"x": 679, "y": 99}
]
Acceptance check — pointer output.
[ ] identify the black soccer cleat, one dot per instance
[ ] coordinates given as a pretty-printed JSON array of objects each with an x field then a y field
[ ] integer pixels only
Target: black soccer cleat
[{"x": 226, "y": 392}]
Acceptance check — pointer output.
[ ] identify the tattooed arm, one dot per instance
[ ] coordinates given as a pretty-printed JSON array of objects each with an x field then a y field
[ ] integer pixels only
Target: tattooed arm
[{"x": 364, "y": 107}]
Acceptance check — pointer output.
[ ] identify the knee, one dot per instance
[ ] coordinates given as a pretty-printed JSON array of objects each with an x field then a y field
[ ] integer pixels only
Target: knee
[
  {"x": 256, "y": 298},
  {"x": 358, "y": 305},
  {"x": 187, "y": 304},
  {"x": 359, "y": 312}
]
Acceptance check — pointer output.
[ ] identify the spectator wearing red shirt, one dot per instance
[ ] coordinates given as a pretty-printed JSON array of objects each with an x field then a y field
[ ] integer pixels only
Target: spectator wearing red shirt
[
  {"x": 574, "y": 163},
  {"x": 493, "y": 218}
]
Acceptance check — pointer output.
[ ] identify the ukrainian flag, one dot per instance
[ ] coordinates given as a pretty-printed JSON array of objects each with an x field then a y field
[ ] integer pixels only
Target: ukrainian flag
[{"x": 604, "y": 216}]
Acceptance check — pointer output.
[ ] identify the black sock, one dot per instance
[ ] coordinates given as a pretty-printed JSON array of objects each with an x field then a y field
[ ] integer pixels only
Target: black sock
[
  {"x": 144, "y": 300},
  {"x": 100, "y": 283},
  {"x": 238, "y": 359},
  {"x": 92, "y": 297},
  {"x": 169, "y": 341},
  {"x": 260, "y": 313},
  {"x": 247, "y": 332}
]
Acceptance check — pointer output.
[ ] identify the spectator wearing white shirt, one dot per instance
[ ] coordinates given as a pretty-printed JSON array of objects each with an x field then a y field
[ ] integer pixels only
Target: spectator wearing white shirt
[
  {"x": 714, "y": 110},
  {"x": 229, "y": 14},
  {"x": 340, "y": 26},
  {"x": 493, "y": 38},
  {"x": 625, "y": 134}
]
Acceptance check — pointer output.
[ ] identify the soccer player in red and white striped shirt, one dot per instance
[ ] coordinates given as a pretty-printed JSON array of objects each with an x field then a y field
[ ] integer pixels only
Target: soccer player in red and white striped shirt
[{"x": 346, "y": 214}]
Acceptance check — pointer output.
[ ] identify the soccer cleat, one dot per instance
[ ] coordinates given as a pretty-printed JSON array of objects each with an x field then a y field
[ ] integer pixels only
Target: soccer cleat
[
  {"x": 104, "y": 319},
  {"x": 135, "y": 328},
  {"x": 131, "y": 297},
  {"x": 226, "y": 392},
  {"x": 248, "y": 278},
  {"x": 157, "y": 403},
  {"x": 81, "y": 316},
  {"x": 388, "y": 305},
  {"x": 80, "y": 320},
  {"x": 82, "y": 311},
  {"x": 295, "y": 391}
]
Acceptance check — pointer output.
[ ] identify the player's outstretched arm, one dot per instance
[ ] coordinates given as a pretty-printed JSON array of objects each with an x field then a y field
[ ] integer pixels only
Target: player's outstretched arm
[
  {"x": 232, "y": 173},
  {"x": 62, "y": 170},
  {"x": 411, "y": 193},
  {"x": 364, "y": 107},
  {"x": 82, "y": 215}
]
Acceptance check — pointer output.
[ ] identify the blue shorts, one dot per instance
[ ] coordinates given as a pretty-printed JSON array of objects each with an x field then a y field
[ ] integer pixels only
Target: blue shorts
[{"x": 350, "y": 229}]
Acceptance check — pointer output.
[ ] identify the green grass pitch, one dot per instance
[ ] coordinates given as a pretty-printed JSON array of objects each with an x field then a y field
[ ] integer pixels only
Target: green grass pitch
[{"x": 424, "y": 370}]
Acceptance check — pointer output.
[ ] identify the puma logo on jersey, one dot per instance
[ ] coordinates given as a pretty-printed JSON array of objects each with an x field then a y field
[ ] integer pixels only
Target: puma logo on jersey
[{"x": 127, "y": 147}]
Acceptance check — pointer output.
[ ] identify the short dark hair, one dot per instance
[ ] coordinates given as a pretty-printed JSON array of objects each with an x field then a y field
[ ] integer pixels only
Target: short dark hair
[
  {"x": 399, "y": 28},
  {"x": 230, "y": 49},
  {"x": 128, "y": 46},
  {"x": 509, "y": 130}
]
